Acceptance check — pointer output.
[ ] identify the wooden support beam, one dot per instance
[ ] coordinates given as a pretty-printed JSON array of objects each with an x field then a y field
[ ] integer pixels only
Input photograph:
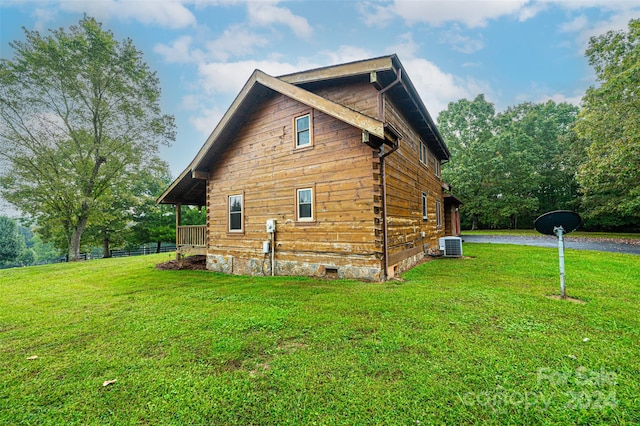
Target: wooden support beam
[
  {"x": 178, "y": 222},
  {"x": 199, "y": 174}
]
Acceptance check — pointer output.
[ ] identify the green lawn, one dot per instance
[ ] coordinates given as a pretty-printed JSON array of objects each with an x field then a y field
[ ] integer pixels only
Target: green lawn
[
  {"x": 533, "y": 232},
  {"x": 471, "y": 340}
]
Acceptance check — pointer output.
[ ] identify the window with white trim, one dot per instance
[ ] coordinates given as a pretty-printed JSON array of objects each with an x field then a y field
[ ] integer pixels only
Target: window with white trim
[
  {"x": 436, "y": 165},
  {"x": 424, "y": 206},
  {"x": 304, "y": 201},
  {"x": 424, "y": 152},
  {"x": 235, "y": 213},
  {"x": 303, "y": 131}
]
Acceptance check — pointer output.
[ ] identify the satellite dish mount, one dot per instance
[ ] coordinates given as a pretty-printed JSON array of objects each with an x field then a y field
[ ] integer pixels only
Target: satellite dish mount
[{"x": 558, "y": 223}]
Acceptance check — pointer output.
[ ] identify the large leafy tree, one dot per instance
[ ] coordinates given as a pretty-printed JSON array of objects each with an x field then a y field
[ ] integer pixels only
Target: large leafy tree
[
  {"x": 510, "y": 166},
  {"x": 610, "y": 121},
  {"x": 11, "y": 241},
  {"x": 80, "y": 115},
  {"x": 468, "y": 128},
  {"x": 531, "y": 170}
]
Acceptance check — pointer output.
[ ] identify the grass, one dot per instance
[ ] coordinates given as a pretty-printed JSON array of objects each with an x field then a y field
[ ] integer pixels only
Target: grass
[
  {"x": 471, "y": 340},
  {"x": 533, "y": 232}
]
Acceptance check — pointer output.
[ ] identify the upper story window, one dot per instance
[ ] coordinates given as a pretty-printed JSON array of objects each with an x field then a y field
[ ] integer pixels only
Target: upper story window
[
  {"x": 423, "y": 153},
  {"x": 303, "y": 131},
  {"x": 436, "y": 165},
  {"x": 304, "y": 202},
  {"x": 424, "y": 206},
  {"x": 235, "y": 213}
]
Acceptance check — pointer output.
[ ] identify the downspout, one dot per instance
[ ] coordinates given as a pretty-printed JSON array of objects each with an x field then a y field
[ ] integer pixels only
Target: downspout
[
  {"x": 383, "y": 155},
  {"x": 385, "y": 229}
]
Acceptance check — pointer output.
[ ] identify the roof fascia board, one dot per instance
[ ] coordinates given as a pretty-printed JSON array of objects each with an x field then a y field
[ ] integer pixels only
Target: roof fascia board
[
  {"x": 340, "y": 71},
  {"x": 356, "y": 119}
]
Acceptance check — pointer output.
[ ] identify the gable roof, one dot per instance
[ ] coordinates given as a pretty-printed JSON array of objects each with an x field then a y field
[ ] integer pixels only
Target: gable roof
[{"x": 385, "y": 72}]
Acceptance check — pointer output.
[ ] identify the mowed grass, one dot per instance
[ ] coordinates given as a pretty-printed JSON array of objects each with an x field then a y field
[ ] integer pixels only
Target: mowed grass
[
  {"x": 458, "y": 341},
  {"x": 630, "y": 236}
]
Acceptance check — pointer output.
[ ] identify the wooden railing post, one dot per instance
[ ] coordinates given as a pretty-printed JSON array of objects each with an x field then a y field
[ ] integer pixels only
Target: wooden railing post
[{"x": 178, "y": 222}]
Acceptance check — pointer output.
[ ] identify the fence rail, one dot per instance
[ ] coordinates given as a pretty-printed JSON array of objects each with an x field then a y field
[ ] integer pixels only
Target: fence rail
[
  {"x": 191, "y": 235},
  {"x": 90, "y": 256}
]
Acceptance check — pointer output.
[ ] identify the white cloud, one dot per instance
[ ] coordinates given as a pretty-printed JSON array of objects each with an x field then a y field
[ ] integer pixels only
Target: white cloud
[
  {"x": 235, "y": 41},
  {"x": 206, "y": 120},
  {"x": 43, "y": 16},
  {"x": 560, "y": 98},
  {"x": 342, "y": 55},
  {"x": 437, "y": 12},
  {"x": 179, "y": 51},
  {"x": 229, "y": 77},
  {"x": 406, "y": 46},
  {"x": 437, "y": 88},
  {"x": 585, "y": 29},
  {"x": 374, "y": 14},
  {"x": 265, "y": 13},
  {"x": 579, "y": 23},
  {"x": 459, "y": 42},
  {"x": 167, "y": 14}
]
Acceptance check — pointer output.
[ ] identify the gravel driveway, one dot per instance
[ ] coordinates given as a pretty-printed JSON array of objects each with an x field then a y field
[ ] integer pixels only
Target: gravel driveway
[{"x": 578, "y": 243}]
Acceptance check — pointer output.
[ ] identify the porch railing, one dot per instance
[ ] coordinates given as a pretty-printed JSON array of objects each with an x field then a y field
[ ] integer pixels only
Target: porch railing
[{"x": 191, "y": 235}]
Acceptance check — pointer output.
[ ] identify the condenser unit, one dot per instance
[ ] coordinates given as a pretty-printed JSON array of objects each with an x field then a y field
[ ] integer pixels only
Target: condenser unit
[{"x": 450, "y": 246}]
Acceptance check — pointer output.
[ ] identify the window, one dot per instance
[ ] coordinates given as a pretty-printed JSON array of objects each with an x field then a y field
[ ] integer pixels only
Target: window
[
  {"x": 436, "y": 165},
  {"x": 423, "y": 153},
  {"x": 438, "y": 214},
  {"x": 235, "y": 213},
  {"x": 305, "y": 204},
  {"x": 424, "y": 206},
  {"x": 303, "y": 131}
]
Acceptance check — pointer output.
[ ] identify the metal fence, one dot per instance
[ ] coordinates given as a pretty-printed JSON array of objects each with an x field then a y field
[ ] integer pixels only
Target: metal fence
[{"x": 95, "y": 255}]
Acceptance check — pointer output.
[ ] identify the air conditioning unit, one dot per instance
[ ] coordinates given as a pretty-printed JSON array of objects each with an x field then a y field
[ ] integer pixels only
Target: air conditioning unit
[{"x": 451, "y": 246}]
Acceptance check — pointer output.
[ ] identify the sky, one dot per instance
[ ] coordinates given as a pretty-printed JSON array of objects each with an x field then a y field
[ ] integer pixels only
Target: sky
[{"x": 203, "y": 51}]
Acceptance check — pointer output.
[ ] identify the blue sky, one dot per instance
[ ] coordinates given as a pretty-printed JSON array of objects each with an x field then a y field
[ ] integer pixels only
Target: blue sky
[{"x": 204, "y": 50}]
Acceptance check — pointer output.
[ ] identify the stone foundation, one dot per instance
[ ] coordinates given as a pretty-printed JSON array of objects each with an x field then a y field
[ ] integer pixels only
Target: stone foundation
[{"x": 256, "y": 267}]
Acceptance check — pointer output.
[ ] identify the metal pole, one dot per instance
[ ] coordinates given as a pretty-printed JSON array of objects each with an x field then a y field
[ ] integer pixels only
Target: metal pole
[{"x": 558, "y": 230}]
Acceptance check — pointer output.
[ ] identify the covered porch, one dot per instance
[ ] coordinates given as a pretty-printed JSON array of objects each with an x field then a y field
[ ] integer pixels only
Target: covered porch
[{"x": 190, "y": 239}]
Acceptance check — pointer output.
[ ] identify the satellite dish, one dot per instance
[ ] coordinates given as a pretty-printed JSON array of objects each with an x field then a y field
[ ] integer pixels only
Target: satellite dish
[
  {"x": 558, "y": 223},
  {"x": 547, "y": 223}
]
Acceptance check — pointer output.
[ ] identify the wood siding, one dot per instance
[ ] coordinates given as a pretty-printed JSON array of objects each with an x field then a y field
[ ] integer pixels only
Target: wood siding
[
  {"x": 406, "y": 180},
  {"x": 262, "y": 164}
]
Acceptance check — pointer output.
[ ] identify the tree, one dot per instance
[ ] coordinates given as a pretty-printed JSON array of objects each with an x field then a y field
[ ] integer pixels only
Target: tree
[
  {"x": 122, "y": 208},
  {"x": 11, "y": 242},
  {"x": 610, "y": 121},
  {"x": 531, "y": 171},
  {"x": 510, "y": 166},
  {"x": 467, "y": 127},
  {"x": 80, "y": 116}
]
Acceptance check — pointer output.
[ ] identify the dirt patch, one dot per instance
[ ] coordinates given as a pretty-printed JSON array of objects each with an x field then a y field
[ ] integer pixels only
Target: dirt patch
[
  {"x": 193, "y": 263},
  {"x": 568, "y": 298}
]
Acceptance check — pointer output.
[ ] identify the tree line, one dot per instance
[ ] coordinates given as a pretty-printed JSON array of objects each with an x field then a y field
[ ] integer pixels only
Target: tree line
[{"x": 509, "y": 167}]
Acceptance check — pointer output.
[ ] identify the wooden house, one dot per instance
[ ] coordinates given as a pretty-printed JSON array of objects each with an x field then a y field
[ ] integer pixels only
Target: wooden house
[{"x": 329, "y": 172}]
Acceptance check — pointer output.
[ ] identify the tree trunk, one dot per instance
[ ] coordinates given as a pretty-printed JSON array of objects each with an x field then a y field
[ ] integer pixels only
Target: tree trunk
[
  {"x": 158, "y": 247},
  {"x": 76, "y": 235},
  {"x": 105, "y": 247},
  {"x": 474, "y": 224}
]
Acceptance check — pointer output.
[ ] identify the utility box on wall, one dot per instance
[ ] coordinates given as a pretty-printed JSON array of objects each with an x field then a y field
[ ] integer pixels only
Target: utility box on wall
[{"x": 271, "y": 226}]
